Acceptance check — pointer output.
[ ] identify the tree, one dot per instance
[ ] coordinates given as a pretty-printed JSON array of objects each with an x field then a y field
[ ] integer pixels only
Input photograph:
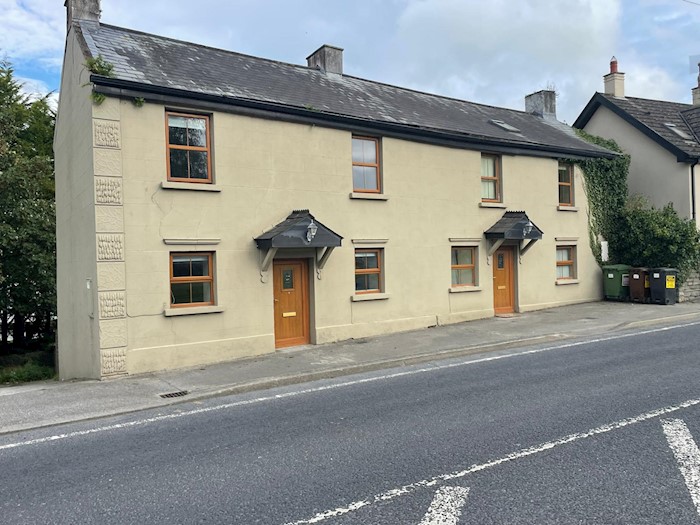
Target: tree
[{"x": 27, "y": 213}]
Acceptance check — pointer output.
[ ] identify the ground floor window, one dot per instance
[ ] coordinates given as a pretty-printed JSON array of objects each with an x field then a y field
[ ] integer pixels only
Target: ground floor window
[
  {"x": 368, "y": 270},
  {"x": 192, "y": 279},
  {"x": 464, "y": 266},
  {"x": 566, "y": 262}
]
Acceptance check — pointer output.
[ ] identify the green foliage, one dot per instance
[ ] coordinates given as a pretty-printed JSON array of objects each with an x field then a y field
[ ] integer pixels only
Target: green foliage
[
  {"x": 100, "y": 66},
  {"x": 638, "y": 234},
  {"x": 27, "y": 211},
  {"x": 652, "y": 237},
  {"x": 139, "y": 102},
  {"x": 97, "y": 98},
  {"x": 29, "y": 371},
  {"x": 605, "y": 183}
]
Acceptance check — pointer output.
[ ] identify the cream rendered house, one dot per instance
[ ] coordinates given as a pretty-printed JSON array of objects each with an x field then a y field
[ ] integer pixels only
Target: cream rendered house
[
  {"x": 661, "y": 137},
  {"x": 216, "y": 206}
]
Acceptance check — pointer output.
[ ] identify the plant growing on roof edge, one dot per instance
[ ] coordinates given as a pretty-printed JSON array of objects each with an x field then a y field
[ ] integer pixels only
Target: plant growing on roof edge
[
  {"x": 97, "y": 98},
  {"x": 100, "y": 66},
  {"x": 138, "y": 101}
]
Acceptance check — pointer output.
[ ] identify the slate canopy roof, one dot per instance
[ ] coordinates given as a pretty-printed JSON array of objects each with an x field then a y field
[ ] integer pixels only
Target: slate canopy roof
[
  {"x": 514, "y": 225},
  {"x": 157, "y": 68},
  {"x": 650, "y": 117},
  {"x": 292, "y": 233}
]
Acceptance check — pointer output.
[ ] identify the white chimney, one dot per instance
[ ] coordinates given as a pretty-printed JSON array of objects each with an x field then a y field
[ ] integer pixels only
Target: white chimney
[
  {"x": 327, "y": 58},
  {"x": 614, "y": 81},
  {"x": 82, "y": 10},
  {"x": 696, "y": 91}
]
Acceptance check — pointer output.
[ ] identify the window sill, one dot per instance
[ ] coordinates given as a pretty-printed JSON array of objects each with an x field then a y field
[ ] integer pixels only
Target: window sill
[
  {"x": 567, "y": 208},
  {"x": 174, "y": 312},
  {"x": 369, "y": 297},
  {"x": 194, "y": 186},
  {"x": 492, "y": 205},
  {"x": 369, "y": 196},
  {"x": 564, "y": 282},
  {"x": 464, "y": 289}
]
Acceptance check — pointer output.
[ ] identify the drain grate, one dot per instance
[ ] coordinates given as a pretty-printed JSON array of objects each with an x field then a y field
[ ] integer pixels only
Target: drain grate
[{"x": 175, "y": 394}]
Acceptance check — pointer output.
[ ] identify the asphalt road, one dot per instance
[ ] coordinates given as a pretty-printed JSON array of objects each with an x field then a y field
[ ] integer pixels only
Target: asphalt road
[{"x": 580, "y": 433}]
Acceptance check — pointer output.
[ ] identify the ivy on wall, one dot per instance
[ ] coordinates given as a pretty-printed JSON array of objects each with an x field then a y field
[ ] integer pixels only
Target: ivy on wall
[
  {"x": 637, "y": 233},
  {"x": 605, "y": 183}
]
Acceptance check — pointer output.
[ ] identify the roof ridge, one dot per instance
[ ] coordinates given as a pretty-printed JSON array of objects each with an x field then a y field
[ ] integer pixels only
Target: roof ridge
[
  {"x": 307, "y": 68},
  {"x": 609, "y": 97}
]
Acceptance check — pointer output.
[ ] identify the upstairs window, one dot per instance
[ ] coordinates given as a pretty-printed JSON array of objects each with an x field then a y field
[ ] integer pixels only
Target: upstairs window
[
  {"x": 365, "y": 165},
  {"x": 191, "y": 279},
  {"x": 491, "y": 178},
  {"x": 189, "y": 151},
  {"x": 566, "y": 184}
]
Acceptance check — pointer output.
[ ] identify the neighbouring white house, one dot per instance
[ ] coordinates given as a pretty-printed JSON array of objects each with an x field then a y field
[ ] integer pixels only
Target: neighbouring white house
[{"x": 661, "y": 137}]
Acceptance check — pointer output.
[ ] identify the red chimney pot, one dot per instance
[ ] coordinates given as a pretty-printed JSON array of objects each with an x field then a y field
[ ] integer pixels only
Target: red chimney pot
[{"x": 613, "y": 65}]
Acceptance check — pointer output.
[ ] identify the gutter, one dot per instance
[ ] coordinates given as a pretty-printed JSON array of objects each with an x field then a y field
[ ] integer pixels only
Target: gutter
[{"x": 271, "y": 110}]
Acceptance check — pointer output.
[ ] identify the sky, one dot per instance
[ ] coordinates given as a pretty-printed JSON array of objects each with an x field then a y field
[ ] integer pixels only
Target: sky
[{"x": 488, "y": 51}]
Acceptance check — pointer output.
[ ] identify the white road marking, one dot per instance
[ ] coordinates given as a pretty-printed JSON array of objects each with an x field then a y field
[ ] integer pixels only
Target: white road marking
[
  {"x": 296, "y": 393},
  {"x": 446, "y": 507},
  {"x": 687, "y": 455},
  {"x": 530, "y": 451}
]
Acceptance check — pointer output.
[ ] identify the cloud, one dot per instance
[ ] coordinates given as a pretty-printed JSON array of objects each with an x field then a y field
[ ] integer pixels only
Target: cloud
[
  {"x": 36, "y": 89},
  {"x": 497, "y": 53},
  {"x": 32, "y": 30}
]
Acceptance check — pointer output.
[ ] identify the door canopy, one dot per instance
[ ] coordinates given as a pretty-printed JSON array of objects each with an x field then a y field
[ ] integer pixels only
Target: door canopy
[
  {"x": 513, "y": 226},
  {"x": 299, "y": 230}
]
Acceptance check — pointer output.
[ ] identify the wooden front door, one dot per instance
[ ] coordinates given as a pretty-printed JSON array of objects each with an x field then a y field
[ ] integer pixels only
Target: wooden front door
[
  {"x": 290, "y": 279},
  {"x": 503, "y": 281}
]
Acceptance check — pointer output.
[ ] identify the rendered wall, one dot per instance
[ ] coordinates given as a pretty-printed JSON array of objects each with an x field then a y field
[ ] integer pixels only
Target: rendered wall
[
  {"x": 654, "y": 172},
  {"x": 78, "y": 354},
  {"x": 263, "y": 170}
]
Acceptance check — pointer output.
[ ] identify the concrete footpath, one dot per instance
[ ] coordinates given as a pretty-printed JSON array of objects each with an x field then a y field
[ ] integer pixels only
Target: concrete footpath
[{"x": 49, "y": 403}]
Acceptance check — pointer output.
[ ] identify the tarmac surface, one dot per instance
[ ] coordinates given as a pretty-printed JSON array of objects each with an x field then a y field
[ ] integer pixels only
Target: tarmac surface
[{"x": 49, "y": 403}]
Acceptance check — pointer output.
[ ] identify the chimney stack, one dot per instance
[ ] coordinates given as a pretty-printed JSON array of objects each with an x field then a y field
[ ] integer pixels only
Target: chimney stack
[
  {"x": 543, "y": 104},
  {"x": 614, "y": 81},
  {"x": 82, "y": 10},
  {"x": 327, "y": 58},
  {"x": 696, "y": 90}
]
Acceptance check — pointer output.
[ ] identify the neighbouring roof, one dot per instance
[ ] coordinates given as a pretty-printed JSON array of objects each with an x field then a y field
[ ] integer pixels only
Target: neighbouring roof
[
  {"x": 514, "y": 225},
  {"x": 293, "y": 233},
  {"x": 164, "y": 66},
  {"x": 656, "y": 119}
]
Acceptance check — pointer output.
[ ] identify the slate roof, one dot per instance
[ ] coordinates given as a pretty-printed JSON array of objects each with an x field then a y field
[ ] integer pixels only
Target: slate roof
[
  {"x": 150, "y": 63},
  {"x": 291, "y": 233},
  {"x": 513, "y": 225},
  {"x": 650, "y": 117}
]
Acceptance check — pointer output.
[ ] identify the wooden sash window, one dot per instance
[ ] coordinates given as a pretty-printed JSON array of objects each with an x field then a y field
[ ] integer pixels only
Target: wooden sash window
[
  {"x": 491, "y": 178},
  {"x": 566, "y": 186},
  {"x": 191, "y": 279},
  {"x": 368, "y": 271},
  {"x": 566, "y": 262},
  {"x": 189, "y": 150},
  {"x": 463, "y": 266},
  {"x": 366, "y": 177}
]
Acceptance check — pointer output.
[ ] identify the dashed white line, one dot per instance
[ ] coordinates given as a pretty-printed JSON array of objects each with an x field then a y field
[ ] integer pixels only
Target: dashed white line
[
  {"x": 530, "y": 451},
  {"x": 334, "y": 386},
  {"x": 446, "y": 507},
  {"x": 687, "y": 455}
]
